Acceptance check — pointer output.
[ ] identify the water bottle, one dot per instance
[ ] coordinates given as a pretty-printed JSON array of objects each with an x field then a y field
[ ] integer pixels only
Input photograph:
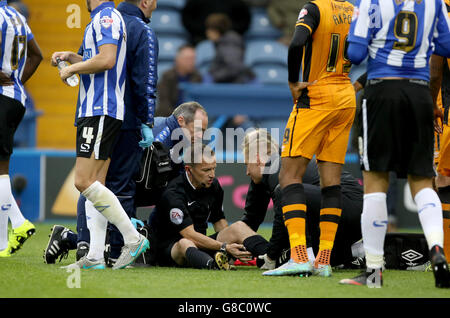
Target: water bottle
[{"x": 73, "y": 80}]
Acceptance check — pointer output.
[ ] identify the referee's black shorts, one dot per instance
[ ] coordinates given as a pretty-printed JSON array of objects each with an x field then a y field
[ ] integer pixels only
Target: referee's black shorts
[
  {"x": 397, "y": 131},
  {"x": 11, "y": 114},
  {"x": 163, "y": 251}
]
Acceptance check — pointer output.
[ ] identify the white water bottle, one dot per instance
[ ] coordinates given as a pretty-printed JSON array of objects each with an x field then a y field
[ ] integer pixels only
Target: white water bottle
[{"x": 73, "y": 80}]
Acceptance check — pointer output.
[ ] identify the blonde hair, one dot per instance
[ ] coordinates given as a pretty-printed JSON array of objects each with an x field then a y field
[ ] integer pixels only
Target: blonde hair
[{"x": 259, "y": 142}]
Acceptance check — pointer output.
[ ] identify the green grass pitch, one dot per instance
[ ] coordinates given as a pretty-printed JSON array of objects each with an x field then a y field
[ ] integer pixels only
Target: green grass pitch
[{"x": 25, "y": 275}]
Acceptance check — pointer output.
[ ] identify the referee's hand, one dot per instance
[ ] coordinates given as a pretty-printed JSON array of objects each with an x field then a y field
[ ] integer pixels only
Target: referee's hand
[{"x": 238, "y": 251}]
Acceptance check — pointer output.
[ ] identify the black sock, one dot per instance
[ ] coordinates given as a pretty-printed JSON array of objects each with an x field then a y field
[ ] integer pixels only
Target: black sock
[
  {"x": 199, "y": 259},
  {"x": 70, "y": 240},
  {"x": 444, "y": 196},
  {"x": 256, "y": 244},
  {"x": 293, "y": 194}
]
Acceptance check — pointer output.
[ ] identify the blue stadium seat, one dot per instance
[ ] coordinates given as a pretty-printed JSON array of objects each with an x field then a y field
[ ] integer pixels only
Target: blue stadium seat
[
  {"x": 204, "y": 71},
  {"x": 261, "y": 27},
  {"x": 163, "y": 67},
  {"x": 205, "y": 52},
  {"x": 167, "y": 22},
  {"x": 271, "y": 74},
  {"x": 262, "y": 52},
  {"x": 171, "y": 4},
  {"x": 168, "y": 47}
]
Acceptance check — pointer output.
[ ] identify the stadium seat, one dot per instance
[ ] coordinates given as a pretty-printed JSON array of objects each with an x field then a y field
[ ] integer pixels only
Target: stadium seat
[
  {"x": 167, "y": 22},
  {"x": 271, "y": 74},
  {"x": 260, "y": 27},
  {"x": 263, "y": 52},
  {"x": 168, "y": 47},
  {"x": 171, "y": 4},
  {"x": 205, "y": 52}
]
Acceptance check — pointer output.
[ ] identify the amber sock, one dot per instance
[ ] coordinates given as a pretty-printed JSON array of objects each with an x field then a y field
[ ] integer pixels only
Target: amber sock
[
  {"x": 330, "y": 214},
  {"x": 294, "y": 215}
]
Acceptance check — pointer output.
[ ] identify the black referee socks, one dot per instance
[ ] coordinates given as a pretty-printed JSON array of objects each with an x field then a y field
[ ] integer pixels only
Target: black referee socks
[{"x": 199, "y": 259}]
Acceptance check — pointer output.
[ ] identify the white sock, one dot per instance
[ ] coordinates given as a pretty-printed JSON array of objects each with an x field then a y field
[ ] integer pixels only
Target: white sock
[
  {"x": 374, "y": 220},
  {"x": 429, "y": 208},
  {"x": 358, "y": 249},
  {"x": 15, "y": 215},
  {"x": 107, "y": 203},
  {"x": 3, "y": 230},
  {"x": 97, "y": 225},
  {"x": 8, "y": 203},
  {"x": 311, "y": 255}
]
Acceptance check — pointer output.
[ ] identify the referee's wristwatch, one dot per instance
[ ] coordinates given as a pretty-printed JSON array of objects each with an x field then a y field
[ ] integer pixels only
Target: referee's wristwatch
[{"x": 223, "y": 248}]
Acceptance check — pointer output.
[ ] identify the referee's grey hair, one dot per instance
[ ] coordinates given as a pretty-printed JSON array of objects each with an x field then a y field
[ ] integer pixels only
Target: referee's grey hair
[{"x": 188, "y": 110}]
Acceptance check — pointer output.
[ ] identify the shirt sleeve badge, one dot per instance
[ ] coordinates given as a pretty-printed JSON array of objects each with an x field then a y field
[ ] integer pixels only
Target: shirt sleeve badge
[
  {"x": 106, "y": 21},
  {"x": 176, "y": 216}
]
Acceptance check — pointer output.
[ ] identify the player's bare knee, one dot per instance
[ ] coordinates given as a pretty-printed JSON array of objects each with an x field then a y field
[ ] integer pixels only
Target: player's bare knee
[
  {"x": 185, "y": 243},
  {"x": 82, "y": 183},
  {"x": 292, "y": 170},
  {"x": 234, "y": 229},
  {"x": 330, "y": 173},
  {"x": 285, "y": 178},
  {"x": 241, "y": 227},
  {"x": 417, "y": 183}
]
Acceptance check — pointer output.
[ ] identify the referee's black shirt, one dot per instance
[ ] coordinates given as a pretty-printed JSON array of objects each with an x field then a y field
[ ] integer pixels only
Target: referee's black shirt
[{"x": 181, "y": 206}]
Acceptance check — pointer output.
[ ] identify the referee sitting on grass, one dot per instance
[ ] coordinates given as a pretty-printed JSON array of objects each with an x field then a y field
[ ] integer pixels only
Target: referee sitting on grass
[{"x": 181, "y": 219}]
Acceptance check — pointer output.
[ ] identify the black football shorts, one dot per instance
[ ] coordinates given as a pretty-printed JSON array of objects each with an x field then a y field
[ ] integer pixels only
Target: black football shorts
[
  {"x": 11, "y": 114},
  {"x": 98, "y": 135},
  {"x": 397, "y": 131}
]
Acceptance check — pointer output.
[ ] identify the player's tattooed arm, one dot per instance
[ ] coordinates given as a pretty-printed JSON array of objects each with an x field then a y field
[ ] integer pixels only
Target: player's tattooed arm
[{"x": 436, "y": 73}]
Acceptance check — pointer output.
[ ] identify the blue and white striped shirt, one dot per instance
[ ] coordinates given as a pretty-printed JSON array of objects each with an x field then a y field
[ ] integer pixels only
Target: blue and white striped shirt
[
  {"x": 400, "y": 34},
  {"x": 15, "y": 36},
  {"x": 103, "y": 93}
]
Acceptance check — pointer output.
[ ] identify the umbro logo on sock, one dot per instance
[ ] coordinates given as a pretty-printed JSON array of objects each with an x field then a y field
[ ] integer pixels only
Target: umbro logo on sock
[{"x": 6, "y": 207}]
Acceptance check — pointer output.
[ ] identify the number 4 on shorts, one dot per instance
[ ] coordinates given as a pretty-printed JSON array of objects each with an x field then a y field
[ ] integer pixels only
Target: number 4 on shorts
[{"x": 88, "y": 134}]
